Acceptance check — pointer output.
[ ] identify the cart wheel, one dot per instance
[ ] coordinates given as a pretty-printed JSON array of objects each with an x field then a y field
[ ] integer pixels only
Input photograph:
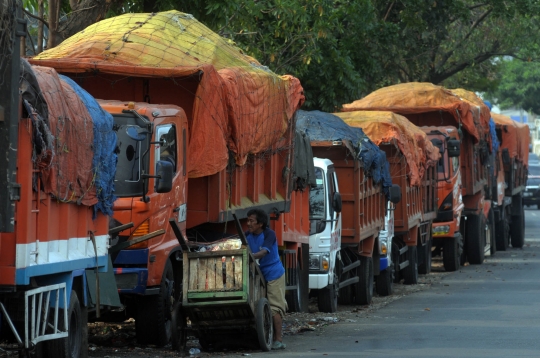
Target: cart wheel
[
  {"x": 178, "y": 327},
  {"x": 264, "y": 324}
]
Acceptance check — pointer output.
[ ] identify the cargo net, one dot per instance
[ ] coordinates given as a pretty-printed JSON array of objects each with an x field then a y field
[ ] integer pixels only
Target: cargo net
[
  {"x": 233, "y": 103},
  {"x": 73, "y": 145}
]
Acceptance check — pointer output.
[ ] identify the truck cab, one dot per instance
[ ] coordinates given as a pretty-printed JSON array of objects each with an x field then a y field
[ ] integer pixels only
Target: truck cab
[
  {"x": 446, "y": 227},
  {"x": 325, "y": 234}
]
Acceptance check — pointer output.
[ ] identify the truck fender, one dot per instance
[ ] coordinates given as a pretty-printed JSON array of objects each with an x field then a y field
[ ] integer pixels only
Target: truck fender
[{"x": 68, "y": 278}]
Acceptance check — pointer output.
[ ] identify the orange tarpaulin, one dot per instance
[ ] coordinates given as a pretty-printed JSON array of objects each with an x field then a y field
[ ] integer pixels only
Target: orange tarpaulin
[
  {"x": 383, "y": 127},
  {"x": 416, "y": 97},
  {"x": 67, "y": 169},
  {"x": 238, "y": 105},
  {"x": 515, "y": 137}
]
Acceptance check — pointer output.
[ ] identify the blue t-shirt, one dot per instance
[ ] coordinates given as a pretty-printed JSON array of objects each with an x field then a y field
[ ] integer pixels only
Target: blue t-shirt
[{"x": 270, "y": 264}]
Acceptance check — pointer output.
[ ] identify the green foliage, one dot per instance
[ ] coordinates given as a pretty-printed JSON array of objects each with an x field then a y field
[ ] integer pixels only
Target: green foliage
[
  {"x": 519, "y": 86},
  {"x": 342, "y": 50}
]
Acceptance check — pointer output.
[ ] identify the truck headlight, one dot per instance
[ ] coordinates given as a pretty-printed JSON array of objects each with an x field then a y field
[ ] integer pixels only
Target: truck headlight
[
  {"x": 441, "y": 230},
  {"x": 314, "y": 262}
]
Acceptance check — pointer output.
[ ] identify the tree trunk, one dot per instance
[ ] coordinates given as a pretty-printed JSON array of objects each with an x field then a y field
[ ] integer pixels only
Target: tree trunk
[
  {"x": 40, "y": 27},
  {"x": 54, "y": 13}
]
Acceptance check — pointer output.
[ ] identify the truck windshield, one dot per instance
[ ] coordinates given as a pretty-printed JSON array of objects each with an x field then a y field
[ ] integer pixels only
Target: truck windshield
[
  {"x": 130, "y": 150},
  {"x": 316, "y": 197}
]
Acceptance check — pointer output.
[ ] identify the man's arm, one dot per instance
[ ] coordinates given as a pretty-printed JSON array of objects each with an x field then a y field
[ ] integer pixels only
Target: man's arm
[{"x": 260, "y": 254}]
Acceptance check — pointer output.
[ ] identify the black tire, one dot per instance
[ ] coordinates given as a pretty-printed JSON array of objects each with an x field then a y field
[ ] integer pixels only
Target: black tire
[
  {"x": 502, "y": 232},
  {"x": 410, "y": 273},
  {"x": 363, "y": 289},
  {"x": 178, "y": 325},
  {"x": 76, "y": 344},
  {"x": 517, "y": 230},
  {"x": 476, "y": 239},
  {"x": 491, "y": 234},
  {"x": 384, "y": 282},
  {"x": 153, "y": 321},
  {"x": 424, "y": 267},
  {"x": 297, "y": 300},
  {"x": 264, "y": 324},
  {"x": 345, "y": 295},
  {"x": 452, "y": 248},
  {"x": 328, "y": 297}
]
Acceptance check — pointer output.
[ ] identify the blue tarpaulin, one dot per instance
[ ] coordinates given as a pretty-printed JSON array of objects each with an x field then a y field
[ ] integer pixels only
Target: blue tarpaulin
[
  {"x": 104, "y": 161},
  {"x": 321, "y": 126}
]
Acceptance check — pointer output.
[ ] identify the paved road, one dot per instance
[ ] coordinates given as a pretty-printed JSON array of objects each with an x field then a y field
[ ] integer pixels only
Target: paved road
[{"x": 490, "y": 310}]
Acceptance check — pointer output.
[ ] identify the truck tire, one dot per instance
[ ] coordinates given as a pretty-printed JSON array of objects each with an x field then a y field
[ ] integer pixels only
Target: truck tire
[
  {"x": 328, "y": 296},
  {"x": 410, "y": 273},
  {"x": 153, "y": 321},
  {"x": 424, "y": 267},
  {"x": 384, "y": 282},
  {"x": 491, "y": 235},
  {"x": 345, "y": 295},
  {"x": 264, "y": 324},
  {"x": 517, "y": 230},
  {"x": 363, "y": 289},
  {"x": 76, "y": 343},
  {"x": 451, "y": 253},
  {"x": 298, "y": 300},
  {"x": 476, "y": 239},
  {"x": 502, "y": 232}
]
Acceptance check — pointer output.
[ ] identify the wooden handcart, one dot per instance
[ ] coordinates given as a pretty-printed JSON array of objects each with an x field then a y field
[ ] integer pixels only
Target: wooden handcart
[{"x": 224, "y": 299}]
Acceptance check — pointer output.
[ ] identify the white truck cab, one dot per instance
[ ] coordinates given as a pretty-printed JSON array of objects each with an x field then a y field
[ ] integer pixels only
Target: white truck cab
[{"x": 325, "y": 234}]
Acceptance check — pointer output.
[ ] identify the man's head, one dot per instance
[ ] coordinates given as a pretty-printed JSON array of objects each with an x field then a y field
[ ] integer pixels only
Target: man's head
[{"x": 257, "y": 221}]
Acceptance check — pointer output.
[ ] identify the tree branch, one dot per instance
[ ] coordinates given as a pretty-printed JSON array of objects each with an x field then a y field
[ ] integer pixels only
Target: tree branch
[
  {"x": 448, "y": 54},
  {"x": 35, "y": 17}
]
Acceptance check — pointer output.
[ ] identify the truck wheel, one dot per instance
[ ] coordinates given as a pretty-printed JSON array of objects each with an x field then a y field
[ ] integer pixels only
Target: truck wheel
[
  {"x": 502, "y": 232},
  {"x": 328, "y": 296},
  {"x": 476, "y": 239},
  {"x": 345, "y": 294},
  {"x": 490, "y": 233},
  {"x": 517, "y": 230},
  {"x": 384, "y": 282},
  {"x": 297, "y": 300},
  {"x": 153, "y": 321},
  {"x": 410, "y": 273},
  {"x": 76, "y": 343},
  {"x": 451, "y": 253},
  {"x": 363, "y": 290},
  {"x": 178, "y": 326},
  {"x": 264, "y": 324},
  {"x": 425, "y": 267}
]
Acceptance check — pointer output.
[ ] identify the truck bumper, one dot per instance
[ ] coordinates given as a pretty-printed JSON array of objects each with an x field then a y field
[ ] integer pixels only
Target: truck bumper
[
  {"x": 445, "y": 230},
  {"x": 131, "y": 280},
  {"x": 318, "y": 281}
]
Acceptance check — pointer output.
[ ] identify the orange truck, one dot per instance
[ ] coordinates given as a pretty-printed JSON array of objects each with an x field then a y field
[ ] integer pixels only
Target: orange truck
[
  {"x": 425, "y": 104},
  {"x": 204, "y": 132},
  {"x": 412, "y": 159},
  {"x": 512, "y": 163},
  {"x": 57, "y": 168}
]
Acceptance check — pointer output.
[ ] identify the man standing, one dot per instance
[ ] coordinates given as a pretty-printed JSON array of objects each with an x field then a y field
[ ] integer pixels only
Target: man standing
[{"x": 263, "y": 244}]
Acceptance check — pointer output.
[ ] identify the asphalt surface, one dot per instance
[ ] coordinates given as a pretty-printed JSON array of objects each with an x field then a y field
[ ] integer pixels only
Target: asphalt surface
[{"x": 489, "y": 310}]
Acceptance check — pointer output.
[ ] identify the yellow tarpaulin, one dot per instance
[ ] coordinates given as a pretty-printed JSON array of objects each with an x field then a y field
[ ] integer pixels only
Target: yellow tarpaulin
[
  {"x": 236, "y": 104},
  {"x": 383, "y": 127}
]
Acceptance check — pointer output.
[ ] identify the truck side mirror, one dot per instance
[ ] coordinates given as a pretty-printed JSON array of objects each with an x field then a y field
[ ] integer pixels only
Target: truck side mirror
[
  {"x": 394, "y": 193},
  {"x": 336, "y": 202},
  {"x": 454, "y": 148},
  {"x": 438, "y": 143},
  {"x": 164, "y": 172}
]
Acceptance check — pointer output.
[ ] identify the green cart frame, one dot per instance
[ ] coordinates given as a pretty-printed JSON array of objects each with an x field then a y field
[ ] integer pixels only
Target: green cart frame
[{"x": 224, "y": 298}]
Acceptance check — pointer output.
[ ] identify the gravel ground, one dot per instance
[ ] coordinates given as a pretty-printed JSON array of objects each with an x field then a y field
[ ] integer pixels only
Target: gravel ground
[{"x": 115, "y": 340}]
